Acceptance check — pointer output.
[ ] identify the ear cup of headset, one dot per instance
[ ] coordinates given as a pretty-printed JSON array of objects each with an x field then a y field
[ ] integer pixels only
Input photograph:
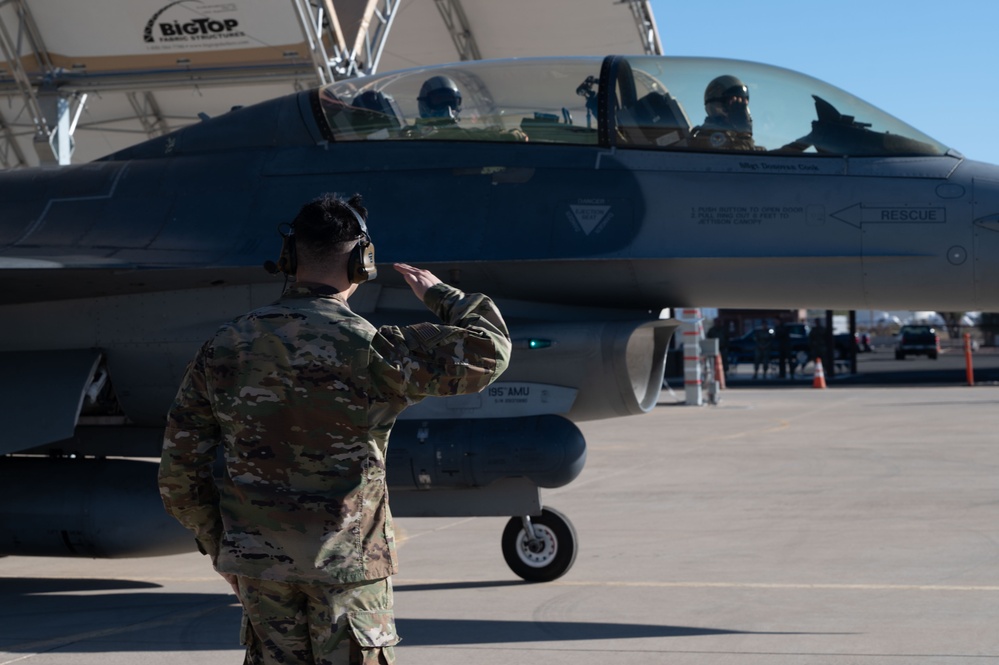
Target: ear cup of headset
[{"x": 361, "y": 265}]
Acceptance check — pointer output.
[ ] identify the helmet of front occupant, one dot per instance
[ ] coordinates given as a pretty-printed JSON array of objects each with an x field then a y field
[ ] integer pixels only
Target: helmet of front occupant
[
  {"x": 728, "y": 97},
  {"x": 439, "y": 98}
]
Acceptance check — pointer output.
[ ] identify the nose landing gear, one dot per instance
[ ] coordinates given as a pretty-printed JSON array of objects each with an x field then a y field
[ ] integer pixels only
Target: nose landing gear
[{"x": 540, "y": 548}]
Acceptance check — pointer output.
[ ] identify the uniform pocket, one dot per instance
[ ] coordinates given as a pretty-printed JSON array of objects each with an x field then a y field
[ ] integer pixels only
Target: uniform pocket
[
  {"x": 373, "y": 637},
  {"x": 373, "y": 629}
]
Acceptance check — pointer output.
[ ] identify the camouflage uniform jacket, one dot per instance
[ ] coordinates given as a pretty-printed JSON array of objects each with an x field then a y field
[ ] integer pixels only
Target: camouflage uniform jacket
[{"x": 302, "y": 395}]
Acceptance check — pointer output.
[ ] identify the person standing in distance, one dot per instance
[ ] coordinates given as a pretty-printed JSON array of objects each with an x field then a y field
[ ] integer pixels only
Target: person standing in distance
[{"x": 301, "y": 396}]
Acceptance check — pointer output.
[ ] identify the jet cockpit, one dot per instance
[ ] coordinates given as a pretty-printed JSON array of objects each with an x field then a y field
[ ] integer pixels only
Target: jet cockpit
[{"x": 645, "y": 102}]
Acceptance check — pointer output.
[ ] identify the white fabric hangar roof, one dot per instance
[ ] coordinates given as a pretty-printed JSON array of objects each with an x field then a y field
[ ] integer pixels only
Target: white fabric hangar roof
[{"x": 79, "y": 80}]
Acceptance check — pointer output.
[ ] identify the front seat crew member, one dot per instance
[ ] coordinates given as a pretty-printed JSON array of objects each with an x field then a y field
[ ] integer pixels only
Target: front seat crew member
[{"x": 728, "y": 124}]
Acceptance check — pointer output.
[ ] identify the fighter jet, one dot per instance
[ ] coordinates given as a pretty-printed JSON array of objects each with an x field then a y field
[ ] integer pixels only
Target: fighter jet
[{"x": 584, "y": 194}]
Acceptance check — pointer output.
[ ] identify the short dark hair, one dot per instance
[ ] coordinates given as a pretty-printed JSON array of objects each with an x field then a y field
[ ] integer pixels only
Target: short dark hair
[{"x": 325, "y": 224}]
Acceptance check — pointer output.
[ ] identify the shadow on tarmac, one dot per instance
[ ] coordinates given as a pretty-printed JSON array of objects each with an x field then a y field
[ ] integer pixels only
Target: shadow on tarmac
[
  {"x": 449, "y": 632},
  {"x": 38, "y": 585},
  {"x": 453, "y": 586},
  {"x": 190, "y": 622}
]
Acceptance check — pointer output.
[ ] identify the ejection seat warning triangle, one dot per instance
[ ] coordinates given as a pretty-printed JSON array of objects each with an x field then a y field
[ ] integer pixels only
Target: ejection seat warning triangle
[{"x": 589, "y": 217}]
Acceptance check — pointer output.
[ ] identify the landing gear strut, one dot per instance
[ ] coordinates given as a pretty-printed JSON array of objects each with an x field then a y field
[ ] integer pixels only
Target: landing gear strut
[{"x": 541, "y": 548}]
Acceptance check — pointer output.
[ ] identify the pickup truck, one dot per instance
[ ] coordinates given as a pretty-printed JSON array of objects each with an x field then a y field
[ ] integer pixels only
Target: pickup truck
[{"x": 917, "y": 340}]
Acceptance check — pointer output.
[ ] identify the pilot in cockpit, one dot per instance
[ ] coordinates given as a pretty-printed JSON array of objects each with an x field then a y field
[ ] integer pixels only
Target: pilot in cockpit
[
  {"x": 439, "y": 104},
  {"x": 440, "y": 100},
  {"x": 729, "y": 124}
]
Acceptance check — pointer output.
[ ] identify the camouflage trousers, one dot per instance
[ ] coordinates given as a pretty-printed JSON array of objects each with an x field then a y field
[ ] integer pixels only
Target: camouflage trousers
[{"x": 312, "y": 624}]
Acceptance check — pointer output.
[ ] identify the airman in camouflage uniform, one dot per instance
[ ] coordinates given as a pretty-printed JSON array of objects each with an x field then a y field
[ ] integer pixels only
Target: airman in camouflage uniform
[{"x": 301, "y": 396}]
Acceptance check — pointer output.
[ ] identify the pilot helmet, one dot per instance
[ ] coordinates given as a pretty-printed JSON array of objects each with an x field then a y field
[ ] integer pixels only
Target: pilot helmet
[
  {"x": 439, "y": 98},
  {"x": 726, "y": 96}
]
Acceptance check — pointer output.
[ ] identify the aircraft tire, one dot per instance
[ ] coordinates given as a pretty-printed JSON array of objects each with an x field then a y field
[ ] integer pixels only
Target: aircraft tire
[{"x": 547, "y": 559}]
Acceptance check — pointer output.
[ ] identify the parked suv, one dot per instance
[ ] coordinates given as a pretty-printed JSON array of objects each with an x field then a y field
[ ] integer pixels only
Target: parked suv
[{"x": 917, "y": 340}]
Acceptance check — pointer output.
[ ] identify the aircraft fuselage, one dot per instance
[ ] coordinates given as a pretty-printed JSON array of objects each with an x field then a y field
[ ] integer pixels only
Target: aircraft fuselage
[{"x": 583, "y": 212}]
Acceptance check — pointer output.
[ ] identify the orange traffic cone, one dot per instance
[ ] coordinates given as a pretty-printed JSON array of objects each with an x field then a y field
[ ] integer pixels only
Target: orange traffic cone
[
  {"x": 720, "y": 371},
  {"x": 819, "y": 381}
]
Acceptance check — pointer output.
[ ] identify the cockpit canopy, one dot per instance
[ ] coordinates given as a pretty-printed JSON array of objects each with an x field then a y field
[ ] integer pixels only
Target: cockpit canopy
[{"x": 642, "y": 102}]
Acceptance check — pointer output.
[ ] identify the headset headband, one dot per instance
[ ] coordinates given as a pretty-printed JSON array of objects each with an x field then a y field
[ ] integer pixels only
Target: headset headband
[{"x": 360, "y": 220}]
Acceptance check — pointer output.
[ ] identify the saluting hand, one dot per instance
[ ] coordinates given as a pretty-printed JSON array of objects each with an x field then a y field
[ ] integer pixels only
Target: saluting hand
[{"x": 418, "y": 280}]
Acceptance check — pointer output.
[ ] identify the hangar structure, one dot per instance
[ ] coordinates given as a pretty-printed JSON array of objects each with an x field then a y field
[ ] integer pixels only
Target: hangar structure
[{"x": 79, "y": 80}]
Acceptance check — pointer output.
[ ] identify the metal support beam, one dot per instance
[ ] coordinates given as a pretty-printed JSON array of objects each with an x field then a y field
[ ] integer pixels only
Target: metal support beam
[
  {"x": 11, "y": 155},
  {"x": 52, "y": 114},
  {"x": 381, "y": 13},
  {"x": 11, "y": 48},
  {"x": 317, "y": 23},
  {"x": 641, "y": 10},
  {"x": 32, "y": 34},
  {"x": 62, "y": 113},
  {"x": 457, "y": 25},
  {"x": 325, "y": 35},
  {"x": 147, "y": 110}
]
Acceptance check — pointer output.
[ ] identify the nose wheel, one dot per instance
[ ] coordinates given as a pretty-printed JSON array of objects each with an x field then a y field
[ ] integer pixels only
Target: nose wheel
[{"x": 540, "y": 548}]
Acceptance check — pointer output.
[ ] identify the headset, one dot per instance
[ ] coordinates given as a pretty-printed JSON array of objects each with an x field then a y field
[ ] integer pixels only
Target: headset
[{"x": 360, "y": 264}]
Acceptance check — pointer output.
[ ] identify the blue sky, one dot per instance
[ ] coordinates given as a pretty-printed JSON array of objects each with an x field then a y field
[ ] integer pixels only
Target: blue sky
[{"x": 929, "y": 63}]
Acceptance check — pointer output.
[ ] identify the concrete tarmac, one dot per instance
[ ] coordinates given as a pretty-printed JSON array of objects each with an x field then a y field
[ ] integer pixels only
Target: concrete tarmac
[{"x": 854, "y": 525}]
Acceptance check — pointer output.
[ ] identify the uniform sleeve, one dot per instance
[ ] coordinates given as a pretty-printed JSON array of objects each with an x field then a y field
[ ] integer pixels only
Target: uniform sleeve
[
  {"x": 190, "y": 444},
  {"x": 464, "y": 354}
]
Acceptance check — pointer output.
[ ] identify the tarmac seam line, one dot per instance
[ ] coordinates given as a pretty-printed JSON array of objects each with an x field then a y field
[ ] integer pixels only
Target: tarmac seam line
[{"x": 746, "y": 585}]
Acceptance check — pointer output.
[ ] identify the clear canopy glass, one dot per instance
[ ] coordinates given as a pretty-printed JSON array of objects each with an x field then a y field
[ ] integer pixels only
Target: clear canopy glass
[{"x": 640, "y": 102}]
